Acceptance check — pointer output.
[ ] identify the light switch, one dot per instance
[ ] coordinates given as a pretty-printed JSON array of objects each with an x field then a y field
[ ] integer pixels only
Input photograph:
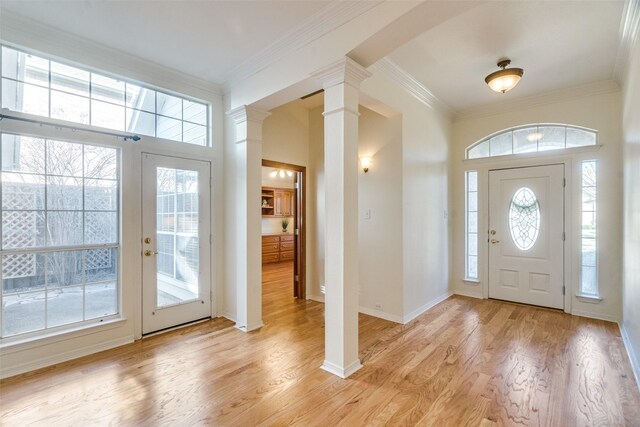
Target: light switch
[{"x": 367, "y": 214}]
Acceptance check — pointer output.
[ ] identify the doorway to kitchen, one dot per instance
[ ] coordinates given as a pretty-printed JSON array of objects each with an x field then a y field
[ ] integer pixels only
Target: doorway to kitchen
[{"x": 283, "y": 226}]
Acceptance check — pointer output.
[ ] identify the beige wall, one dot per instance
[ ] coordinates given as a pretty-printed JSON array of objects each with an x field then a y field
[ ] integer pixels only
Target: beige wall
[
  {"x": 631, "y": 129},
  {"x": 600, "y": 112}
]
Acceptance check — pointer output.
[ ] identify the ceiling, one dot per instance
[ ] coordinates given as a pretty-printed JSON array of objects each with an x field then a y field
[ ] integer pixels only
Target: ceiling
[
  {"x": 558, "y": 43},
  {"x": 207, "y": 39}
]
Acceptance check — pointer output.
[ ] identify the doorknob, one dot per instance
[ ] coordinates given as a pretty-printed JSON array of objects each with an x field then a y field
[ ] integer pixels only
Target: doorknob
[
  {"x": 149, "y": 253},
  {"x": 494, "y": 241},
  {"x": 147, "y": 240}
]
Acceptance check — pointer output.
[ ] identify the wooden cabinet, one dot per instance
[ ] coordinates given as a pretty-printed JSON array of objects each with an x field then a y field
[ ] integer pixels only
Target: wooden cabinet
[
  {"x": 278, "y": 202},
  {"x": 276, "y": 248}
]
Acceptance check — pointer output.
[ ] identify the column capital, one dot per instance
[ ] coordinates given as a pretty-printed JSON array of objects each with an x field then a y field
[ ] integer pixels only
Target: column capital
[
  {"x": 345, "y": 70},
  {"x": 247, "y": 113}
]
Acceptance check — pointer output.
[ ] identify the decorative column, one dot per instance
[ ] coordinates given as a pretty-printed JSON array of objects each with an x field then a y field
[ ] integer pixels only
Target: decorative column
[
  {"x": 341, "y": 82},
  {"x": 248, "y": 175}
]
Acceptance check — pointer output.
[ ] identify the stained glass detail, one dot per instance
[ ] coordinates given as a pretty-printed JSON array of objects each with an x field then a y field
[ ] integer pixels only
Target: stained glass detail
[{"x": 524, "y": 218}]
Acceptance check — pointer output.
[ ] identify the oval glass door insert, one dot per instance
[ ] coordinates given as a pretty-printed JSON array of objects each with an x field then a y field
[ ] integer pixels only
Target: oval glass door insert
[{"x": 524, "y": 218}]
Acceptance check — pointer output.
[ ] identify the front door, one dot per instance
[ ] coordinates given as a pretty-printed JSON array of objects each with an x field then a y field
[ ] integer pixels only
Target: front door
[
  {"x": 176, "y": 284},
  {"x": 526, "y": 235}
]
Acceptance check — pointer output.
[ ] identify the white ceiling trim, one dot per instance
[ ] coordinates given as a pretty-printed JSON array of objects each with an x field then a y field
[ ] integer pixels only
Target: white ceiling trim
[
  {"x": 327, "y": 19},
  {"x": 629, "y": 29},
  {"x": 575, "y": 92},
  {"x": 29, "y": 34},
  {"x": 402, "y": 78}
]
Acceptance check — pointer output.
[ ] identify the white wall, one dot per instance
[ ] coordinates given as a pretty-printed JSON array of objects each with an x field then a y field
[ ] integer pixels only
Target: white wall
[
  {"x": 600, "y": 112},
  {"x": 631, "y": 279},
  {"x": 425, "y": 230}
]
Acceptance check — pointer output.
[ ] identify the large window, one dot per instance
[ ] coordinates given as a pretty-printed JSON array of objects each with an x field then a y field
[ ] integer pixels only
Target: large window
[
  {"x": 588, "y": 238},
  {"x": 531, "y": 139},
  {"x": 36, "y": 85},
  {"x": 471, "y": 225},
  {"x": 59, "y": 248}
]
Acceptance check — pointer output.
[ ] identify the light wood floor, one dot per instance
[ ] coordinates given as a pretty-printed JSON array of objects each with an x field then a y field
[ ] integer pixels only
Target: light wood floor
[{"x": 464, "y": 362}]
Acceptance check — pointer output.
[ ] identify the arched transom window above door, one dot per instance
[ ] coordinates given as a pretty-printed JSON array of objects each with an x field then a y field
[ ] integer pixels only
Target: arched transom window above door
[{"x": 532, "y": 139}]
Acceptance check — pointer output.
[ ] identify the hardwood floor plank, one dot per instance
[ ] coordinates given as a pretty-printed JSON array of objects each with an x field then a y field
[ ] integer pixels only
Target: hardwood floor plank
[{"x": 465, "y": 362}]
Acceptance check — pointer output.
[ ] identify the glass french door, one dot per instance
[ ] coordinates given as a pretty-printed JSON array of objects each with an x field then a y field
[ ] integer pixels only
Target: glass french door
[{"x": 176, "y": 249}]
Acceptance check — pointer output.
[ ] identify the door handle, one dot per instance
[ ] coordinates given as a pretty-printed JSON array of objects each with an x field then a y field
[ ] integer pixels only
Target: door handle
[
  {"x": 149, "y": 252},
  {"x": 494, "y": 241}
]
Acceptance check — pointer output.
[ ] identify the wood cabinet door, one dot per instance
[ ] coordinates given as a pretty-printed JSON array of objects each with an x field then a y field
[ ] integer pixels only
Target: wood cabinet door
[{"x": 283, "y": 203}]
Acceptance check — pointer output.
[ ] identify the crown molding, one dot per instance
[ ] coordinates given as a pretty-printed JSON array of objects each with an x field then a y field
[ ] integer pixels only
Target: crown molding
[
  {"x": 411, "y": 85},
  {"x": 567, "y": 94},
  {"x": 327, "y": 19},
  {"x": 345, "y": 70},
  {"x": 629, "y": 30},
  {"x": 26, "y": 33},
  {"x": 246, "y": 113}
]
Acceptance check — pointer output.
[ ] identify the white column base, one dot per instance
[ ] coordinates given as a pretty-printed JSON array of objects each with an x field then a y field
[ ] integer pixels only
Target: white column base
[
  {"x": 251, "y": 327},
  {"x": 339, "y": 370}
]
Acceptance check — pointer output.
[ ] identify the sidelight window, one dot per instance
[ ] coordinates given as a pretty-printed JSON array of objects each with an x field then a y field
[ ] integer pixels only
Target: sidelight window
[
  {"x": 471, "y": 225},
  {"x": 588, "y": 238}
]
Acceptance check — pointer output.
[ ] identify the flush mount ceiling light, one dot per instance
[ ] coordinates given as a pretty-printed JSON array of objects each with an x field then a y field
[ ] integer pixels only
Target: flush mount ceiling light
[
  {"x": 282, "y": 173},
  {"x": 505, "y": 79}
]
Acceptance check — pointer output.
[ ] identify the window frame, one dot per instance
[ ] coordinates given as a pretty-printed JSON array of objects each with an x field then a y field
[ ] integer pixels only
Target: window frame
[
  {"x": 127, "y": 81},
  {"x": 581, "y": 293},
  {"x": 467, "y": 276},
  {"x": 46, "y": 332}
]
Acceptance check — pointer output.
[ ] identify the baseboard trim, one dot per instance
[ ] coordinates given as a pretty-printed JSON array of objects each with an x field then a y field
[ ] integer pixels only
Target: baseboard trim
[
  {"x": 6, "y": 372},
  {"x": 415, "y": 313},
  {"x": 380, "y": 314},
  {"x": 317, "y": 298},
  {"x": 635, "y": 366},
  {"x": 230, "y": 316},
  {"x": 251, "y": 327},
  {"x": 606, "y": 317},
  {"x": 468, "y": 294},
  {"x": 345, "y": 372}
]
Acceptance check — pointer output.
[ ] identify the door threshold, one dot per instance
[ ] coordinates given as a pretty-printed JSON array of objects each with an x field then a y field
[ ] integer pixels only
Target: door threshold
[
  {"x": 527, "y": 304},
  {"x": 173, "y": 328}
]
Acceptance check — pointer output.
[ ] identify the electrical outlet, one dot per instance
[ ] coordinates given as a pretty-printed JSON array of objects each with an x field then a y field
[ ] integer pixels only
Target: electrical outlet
[{"x": 378, "y": 306}]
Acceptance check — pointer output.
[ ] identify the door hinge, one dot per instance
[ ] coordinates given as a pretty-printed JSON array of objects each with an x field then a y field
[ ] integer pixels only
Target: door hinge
[
  {"x": 210, "y": 239},
  {"x": 297, "y": 185},
  {"x": 296, "y": 278},
  {"x": 564, "y": 182},
  {"x": 564, "y": 236},
  {"x": 296, "y": 232},
  {"x": 210, "y": 182},
  {"x": 563, "y": 289}
]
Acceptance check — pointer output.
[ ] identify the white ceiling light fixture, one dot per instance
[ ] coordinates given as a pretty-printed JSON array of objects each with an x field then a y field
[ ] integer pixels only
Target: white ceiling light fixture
[
  {"x": 281, "y": 173},
  {"x": 506, "y": 79}
]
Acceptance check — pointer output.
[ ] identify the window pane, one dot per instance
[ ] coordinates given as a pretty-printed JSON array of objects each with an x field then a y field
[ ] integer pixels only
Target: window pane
[
  {"x": 101, "y": 195},
  {"x": 64, "y": 228},
  {"x": 22, "y": 191},
  {"x": 473, "y": 201},
  {"x": 551, "y": 138},
  {"x": 588, "y": 283},
  {"x": 580, "y": 138},
  {"x": 69, "y": 79},
  {"x": 107, "y": 115},
  {"x": 64, "y": 306},
  {"x": 500, "y": 145},
  {"x": 107, "y": 89},
  {"x": 23, "y": 229},
  {"x": 100, "y": 227},
  {"x": 141, "y": 122},
  {"x": 22, "y": 154},
  {"x": 473, "y": 222},
  {"x": 526, "y": 140},
  {"x": 472, "y": 181},
  {"x": 64, "y": 269},
  {"x": 27, "y": 68},
  {"x": 169, "y": 128},
  {"x": 22, "y": 273},
  {"x": 25, "y": 98},
  {"x": 101, "y": 299},
  {"x": 22, "y": 313},
  {"x": 588, "y": 252},
  {"x": 472, "y": 264},
  {"x": 169, "y": 105},
  {"x": 195, "y": 134},
  {"x": 64, "y": 193},
  {"x": 479, "y": 151},
  {"x": 100, "y": 162},
  {"x": 473, "y": 244},
  {"x": 140, "y": 98},
  {"x": 101, "y": 265},
  {"x": 69, "y": 107},
  {"x": 64, "y": 158},
  {"x": 195, "y": 112}
]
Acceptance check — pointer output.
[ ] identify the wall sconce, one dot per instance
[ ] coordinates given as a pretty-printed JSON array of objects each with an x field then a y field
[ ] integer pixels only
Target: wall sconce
[{"x": 365, "y": 162}]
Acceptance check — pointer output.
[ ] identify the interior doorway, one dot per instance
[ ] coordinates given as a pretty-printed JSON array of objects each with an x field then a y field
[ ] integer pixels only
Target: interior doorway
[
  {"x": 526, "y": 235},
  {"x": 283, "y": 222}
]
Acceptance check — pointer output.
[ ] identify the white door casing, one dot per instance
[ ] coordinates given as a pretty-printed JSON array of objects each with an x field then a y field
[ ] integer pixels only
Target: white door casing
[
  {"x": 526, "y": 235},
  {"x": 176, "y": 244}
]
